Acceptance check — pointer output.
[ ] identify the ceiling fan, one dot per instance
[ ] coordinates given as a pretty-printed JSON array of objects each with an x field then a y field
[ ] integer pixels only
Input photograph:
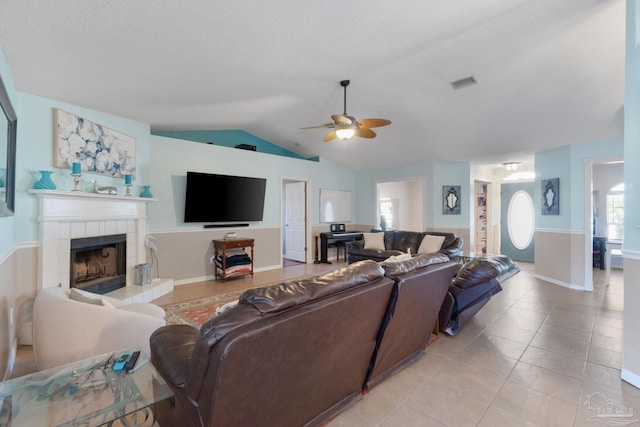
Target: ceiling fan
[{"x": 346, "y": 126}]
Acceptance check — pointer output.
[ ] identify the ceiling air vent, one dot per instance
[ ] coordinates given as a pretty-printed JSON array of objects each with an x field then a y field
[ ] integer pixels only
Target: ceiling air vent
[{"x": 467, "y": 81}]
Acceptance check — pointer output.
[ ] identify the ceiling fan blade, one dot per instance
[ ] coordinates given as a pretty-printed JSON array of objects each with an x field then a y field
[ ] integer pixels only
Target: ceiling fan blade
[
  {"x": 328, "y": 125},
  {"x": 341, "y": 119},
  {"x": 331, "y": 135},
  {"x": 373, "y": 123},
  {"x": 365, "y": 133}
]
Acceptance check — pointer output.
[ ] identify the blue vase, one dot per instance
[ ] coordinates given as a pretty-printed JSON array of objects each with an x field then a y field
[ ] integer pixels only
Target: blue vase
[
  {"x": 45, "y": 182},
  {"x": 145, "y": 191}
]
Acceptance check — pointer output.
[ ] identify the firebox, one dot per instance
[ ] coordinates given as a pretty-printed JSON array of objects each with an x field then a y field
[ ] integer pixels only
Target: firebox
[{"x": 99, "y": 264}]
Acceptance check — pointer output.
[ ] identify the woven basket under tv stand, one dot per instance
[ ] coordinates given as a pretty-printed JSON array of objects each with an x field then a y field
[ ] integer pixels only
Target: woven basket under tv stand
[{"x": 220, "y": 248}]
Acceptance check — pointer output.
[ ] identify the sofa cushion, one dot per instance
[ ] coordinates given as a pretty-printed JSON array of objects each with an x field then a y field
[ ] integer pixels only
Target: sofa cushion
[
  {"x": 88, "y": 298},
  {"x": 406, "y": 241},
  {"x": 395, "y": 268},
  {"x": 430, "y": 244},
  {"x": 373, "y": 241}
]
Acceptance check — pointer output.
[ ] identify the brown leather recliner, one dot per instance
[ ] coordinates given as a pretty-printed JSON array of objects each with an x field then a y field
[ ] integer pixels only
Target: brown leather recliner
[
  {"x": 287, "y": 355},
  {"x": 472, "y": 287}
]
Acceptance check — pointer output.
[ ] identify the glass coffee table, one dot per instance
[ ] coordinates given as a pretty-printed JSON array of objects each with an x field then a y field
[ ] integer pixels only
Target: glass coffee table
[
  {"x": 85, "y": 393},
  {"x": 468, "y": 256}
]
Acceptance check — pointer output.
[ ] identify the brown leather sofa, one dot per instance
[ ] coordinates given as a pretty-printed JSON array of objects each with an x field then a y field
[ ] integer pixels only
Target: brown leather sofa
[
  {"x": 472, "y": 287},
  {"x": 300, "y": 352},
  {"x": 399, "y": 242}
]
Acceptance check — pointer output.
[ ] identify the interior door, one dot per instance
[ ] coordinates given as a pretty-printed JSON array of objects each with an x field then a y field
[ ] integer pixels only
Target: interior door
[
  {"x": 517, "y": 221},
  {"x": 295, "y": 221}
]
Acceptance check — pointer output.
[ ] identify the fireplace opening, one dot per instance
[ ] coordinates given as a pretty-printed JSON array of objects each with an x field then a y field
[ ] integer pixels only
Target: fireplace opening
[{"x": 99, "y": 264}]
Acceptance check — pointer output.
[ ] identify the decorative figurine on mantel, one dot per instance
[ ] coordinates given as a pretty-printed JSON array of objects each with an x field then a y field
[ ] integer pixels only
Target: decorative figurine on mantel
[
  {"x": 45, "y": 182},
  {"x": 109, "y": 189},
  {"x": 76, "y": 172}
]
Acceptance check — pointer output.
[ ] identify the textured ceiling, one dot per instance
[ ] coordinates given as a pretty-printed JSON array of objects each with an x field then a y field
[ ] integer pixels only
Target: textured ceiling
[{"x": 550, "y": 73}]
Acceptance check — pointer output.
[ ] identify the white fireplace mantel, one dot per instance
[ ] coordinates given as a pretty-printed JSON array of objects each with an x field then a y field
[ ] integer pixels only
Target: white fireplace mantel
[{"x": 66, "y": 215}]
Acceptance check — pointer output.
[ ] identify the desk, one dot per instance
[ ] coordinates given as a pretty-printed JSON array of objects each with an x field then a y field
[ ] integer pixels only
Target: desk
[
  {"x": 342, "y": 236},
  {"x": 86, "y": 393}
]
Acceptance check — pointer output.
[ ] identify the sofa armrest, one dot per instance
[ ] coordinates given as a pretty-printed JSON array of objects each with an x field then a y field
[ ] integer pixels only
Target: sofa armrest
[
  {"x": 66, "y": 331},
  {"x": 454, "y": 249},
  {"x": 474, "y": 272},
  {"x": 171, "y": 352}
]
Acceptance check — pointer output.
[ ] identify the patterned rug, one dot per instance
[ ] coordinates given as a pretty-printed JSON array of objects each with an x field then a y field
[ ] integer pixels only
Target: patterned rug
[{"x": 197, "y": 311}]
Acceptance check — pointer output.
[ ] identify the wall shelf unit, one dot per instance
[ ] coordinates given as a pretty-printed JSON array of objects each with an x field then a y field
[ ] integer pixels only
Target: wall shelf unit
[{"x": 481, "y": 217}]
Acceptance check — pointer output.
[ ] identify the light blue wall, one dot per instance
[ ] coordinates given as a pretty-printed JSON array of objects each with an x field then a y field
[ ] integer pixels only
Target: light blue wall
[
  {"x": 8, "y": 233},
  {"x": 436, "y": 175},
  {"x": 451, "y": 173},
  {"x": 172, "y": 158},
  {"x": 632, "y": 130},
  {"x": 554, "y": 164},
  {"x": 568, "y": 164},
  {"x": 35, "y": 152}
]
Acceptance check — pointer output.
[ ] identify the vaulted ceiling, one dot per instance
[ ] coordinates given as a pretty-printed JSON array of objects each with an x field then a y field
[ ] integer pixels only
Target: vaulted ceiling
[{"x": 549, "y": 73}]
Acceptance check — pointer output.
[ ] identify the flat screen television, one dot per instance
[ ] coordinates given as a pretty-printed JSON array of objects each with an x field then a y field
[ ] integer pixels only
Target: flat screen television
[{"x": 223, "y": 198}]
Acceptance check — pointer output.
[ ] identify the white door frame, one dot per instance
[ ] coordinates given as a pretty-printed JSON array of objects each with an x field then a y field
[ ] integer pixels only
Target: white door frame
[
  {"x": 423, "y": 183},
  {"x": 588, "y": 223},
  {"x": 307, "y": 221}
]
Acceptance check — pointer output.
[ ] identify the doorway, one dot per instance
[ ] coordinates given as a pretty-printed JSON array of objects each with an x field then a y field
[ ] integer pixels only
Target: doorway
[
  {"x": 518, "y": 221},
  {"x": 294, "y": 220},
  {"x": 400, "y": 205}
]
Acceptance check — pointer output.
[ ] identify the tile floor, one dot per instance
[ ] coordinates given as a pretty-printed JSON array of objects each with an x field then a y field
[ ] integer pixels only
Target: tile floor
[{"x": 531, "y": 357}]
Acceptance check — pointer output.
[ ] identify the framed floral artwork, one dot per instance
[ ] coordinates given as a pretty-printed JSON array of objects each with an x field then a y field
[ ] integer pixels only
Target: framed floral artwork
[{"x": 97, "y": 148}]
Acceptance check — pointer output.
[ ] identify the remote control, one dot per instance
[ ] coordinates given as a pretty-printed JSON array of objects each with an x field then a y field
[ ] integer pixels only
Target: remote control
[
  {"x": 122, "y": 360},
  {"x": 132, "y": 361}
]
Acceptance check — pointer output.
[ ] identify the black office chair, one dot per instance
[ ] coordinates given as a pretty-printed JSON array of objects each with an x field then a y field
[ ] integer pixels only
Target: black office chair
[{"x": 599, "y": 249}]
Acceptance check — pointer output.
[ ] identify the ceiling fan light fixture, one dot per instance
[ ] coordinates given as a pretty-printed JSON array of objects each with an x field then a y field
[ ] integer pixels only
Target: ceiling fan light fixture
[
  {"x": 346, "y": 133},
  {"x": 346, "y": 126}
]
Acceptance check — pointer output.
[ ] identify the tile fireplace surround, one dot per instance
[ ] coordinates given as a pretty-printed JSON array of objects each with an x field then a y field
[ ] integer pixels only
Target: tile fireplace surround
[{"x": 65, "y": 215}]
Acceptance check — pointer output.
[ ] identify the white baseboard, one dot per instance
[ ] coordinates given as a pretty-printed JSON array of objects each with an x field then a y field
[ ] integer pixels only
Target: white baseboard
[
  {"x": 212, "y": 277},
  {"x": 560, "y": 283}
]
